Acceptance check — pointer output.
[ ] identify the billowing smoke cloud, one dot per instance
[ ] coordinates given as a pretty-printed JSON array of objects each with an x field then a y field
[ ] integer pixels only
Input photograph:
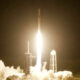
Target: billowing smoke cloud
[
  {"x": 50, "y": 75},
  {"x": 45, "y": 74},
  {"x": 10, "y": 73},
  {"x": 6, "y": 72}
]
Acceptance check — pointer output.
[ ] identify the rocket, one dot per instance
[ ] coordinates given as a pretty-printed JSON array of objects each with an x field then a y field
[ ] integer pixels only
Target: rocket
[{"x": 39, "y": 44}]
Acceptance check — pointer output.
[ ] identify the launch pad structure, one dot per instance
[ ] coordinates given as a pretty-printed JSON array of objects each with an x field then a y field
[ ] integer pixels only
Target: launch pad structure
[{"x": 28, "y": 60}]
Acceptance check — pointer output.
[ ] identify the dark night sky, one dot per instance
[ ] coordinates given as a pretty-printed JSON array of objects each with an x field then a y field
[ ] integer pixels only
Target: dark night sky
[{"x": 60, "y": 26}]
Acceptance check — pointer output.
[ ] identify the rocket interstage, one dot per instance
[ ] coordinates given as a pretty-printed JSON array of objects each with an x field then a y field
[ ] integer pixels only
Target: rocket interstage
[{"x": 53, "y": 61}]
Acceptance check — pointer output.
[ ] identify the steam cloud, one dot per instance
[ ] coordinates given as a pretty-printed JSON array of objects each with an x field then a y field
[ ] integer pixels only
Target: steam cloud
[
  {"x": 10, "y": 73},
  {"x": 6, "y": 72}
]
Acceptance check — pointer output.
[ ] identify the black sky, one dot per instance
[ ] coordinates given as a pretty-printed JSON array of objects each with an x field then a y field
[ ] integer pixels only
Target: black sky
[{"x": 60, "y": 26}]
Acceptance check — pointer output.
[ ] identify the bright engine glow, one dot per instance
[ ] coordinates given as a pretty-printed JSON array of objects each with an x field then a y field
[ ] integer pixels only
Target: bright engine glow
[{"x": 39, "y": 50}]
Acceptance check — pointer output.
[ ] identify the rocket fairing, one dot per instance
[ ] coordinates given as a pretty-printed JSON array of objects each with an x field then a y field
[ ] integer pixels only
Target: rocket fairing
[{"x": 53, "y": 61}]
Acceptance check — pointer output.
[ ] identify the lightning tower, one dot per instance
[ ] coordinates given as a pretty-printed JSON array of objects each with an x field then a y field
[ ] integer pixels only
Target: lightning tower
[{"x": 53, "y": 61}]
